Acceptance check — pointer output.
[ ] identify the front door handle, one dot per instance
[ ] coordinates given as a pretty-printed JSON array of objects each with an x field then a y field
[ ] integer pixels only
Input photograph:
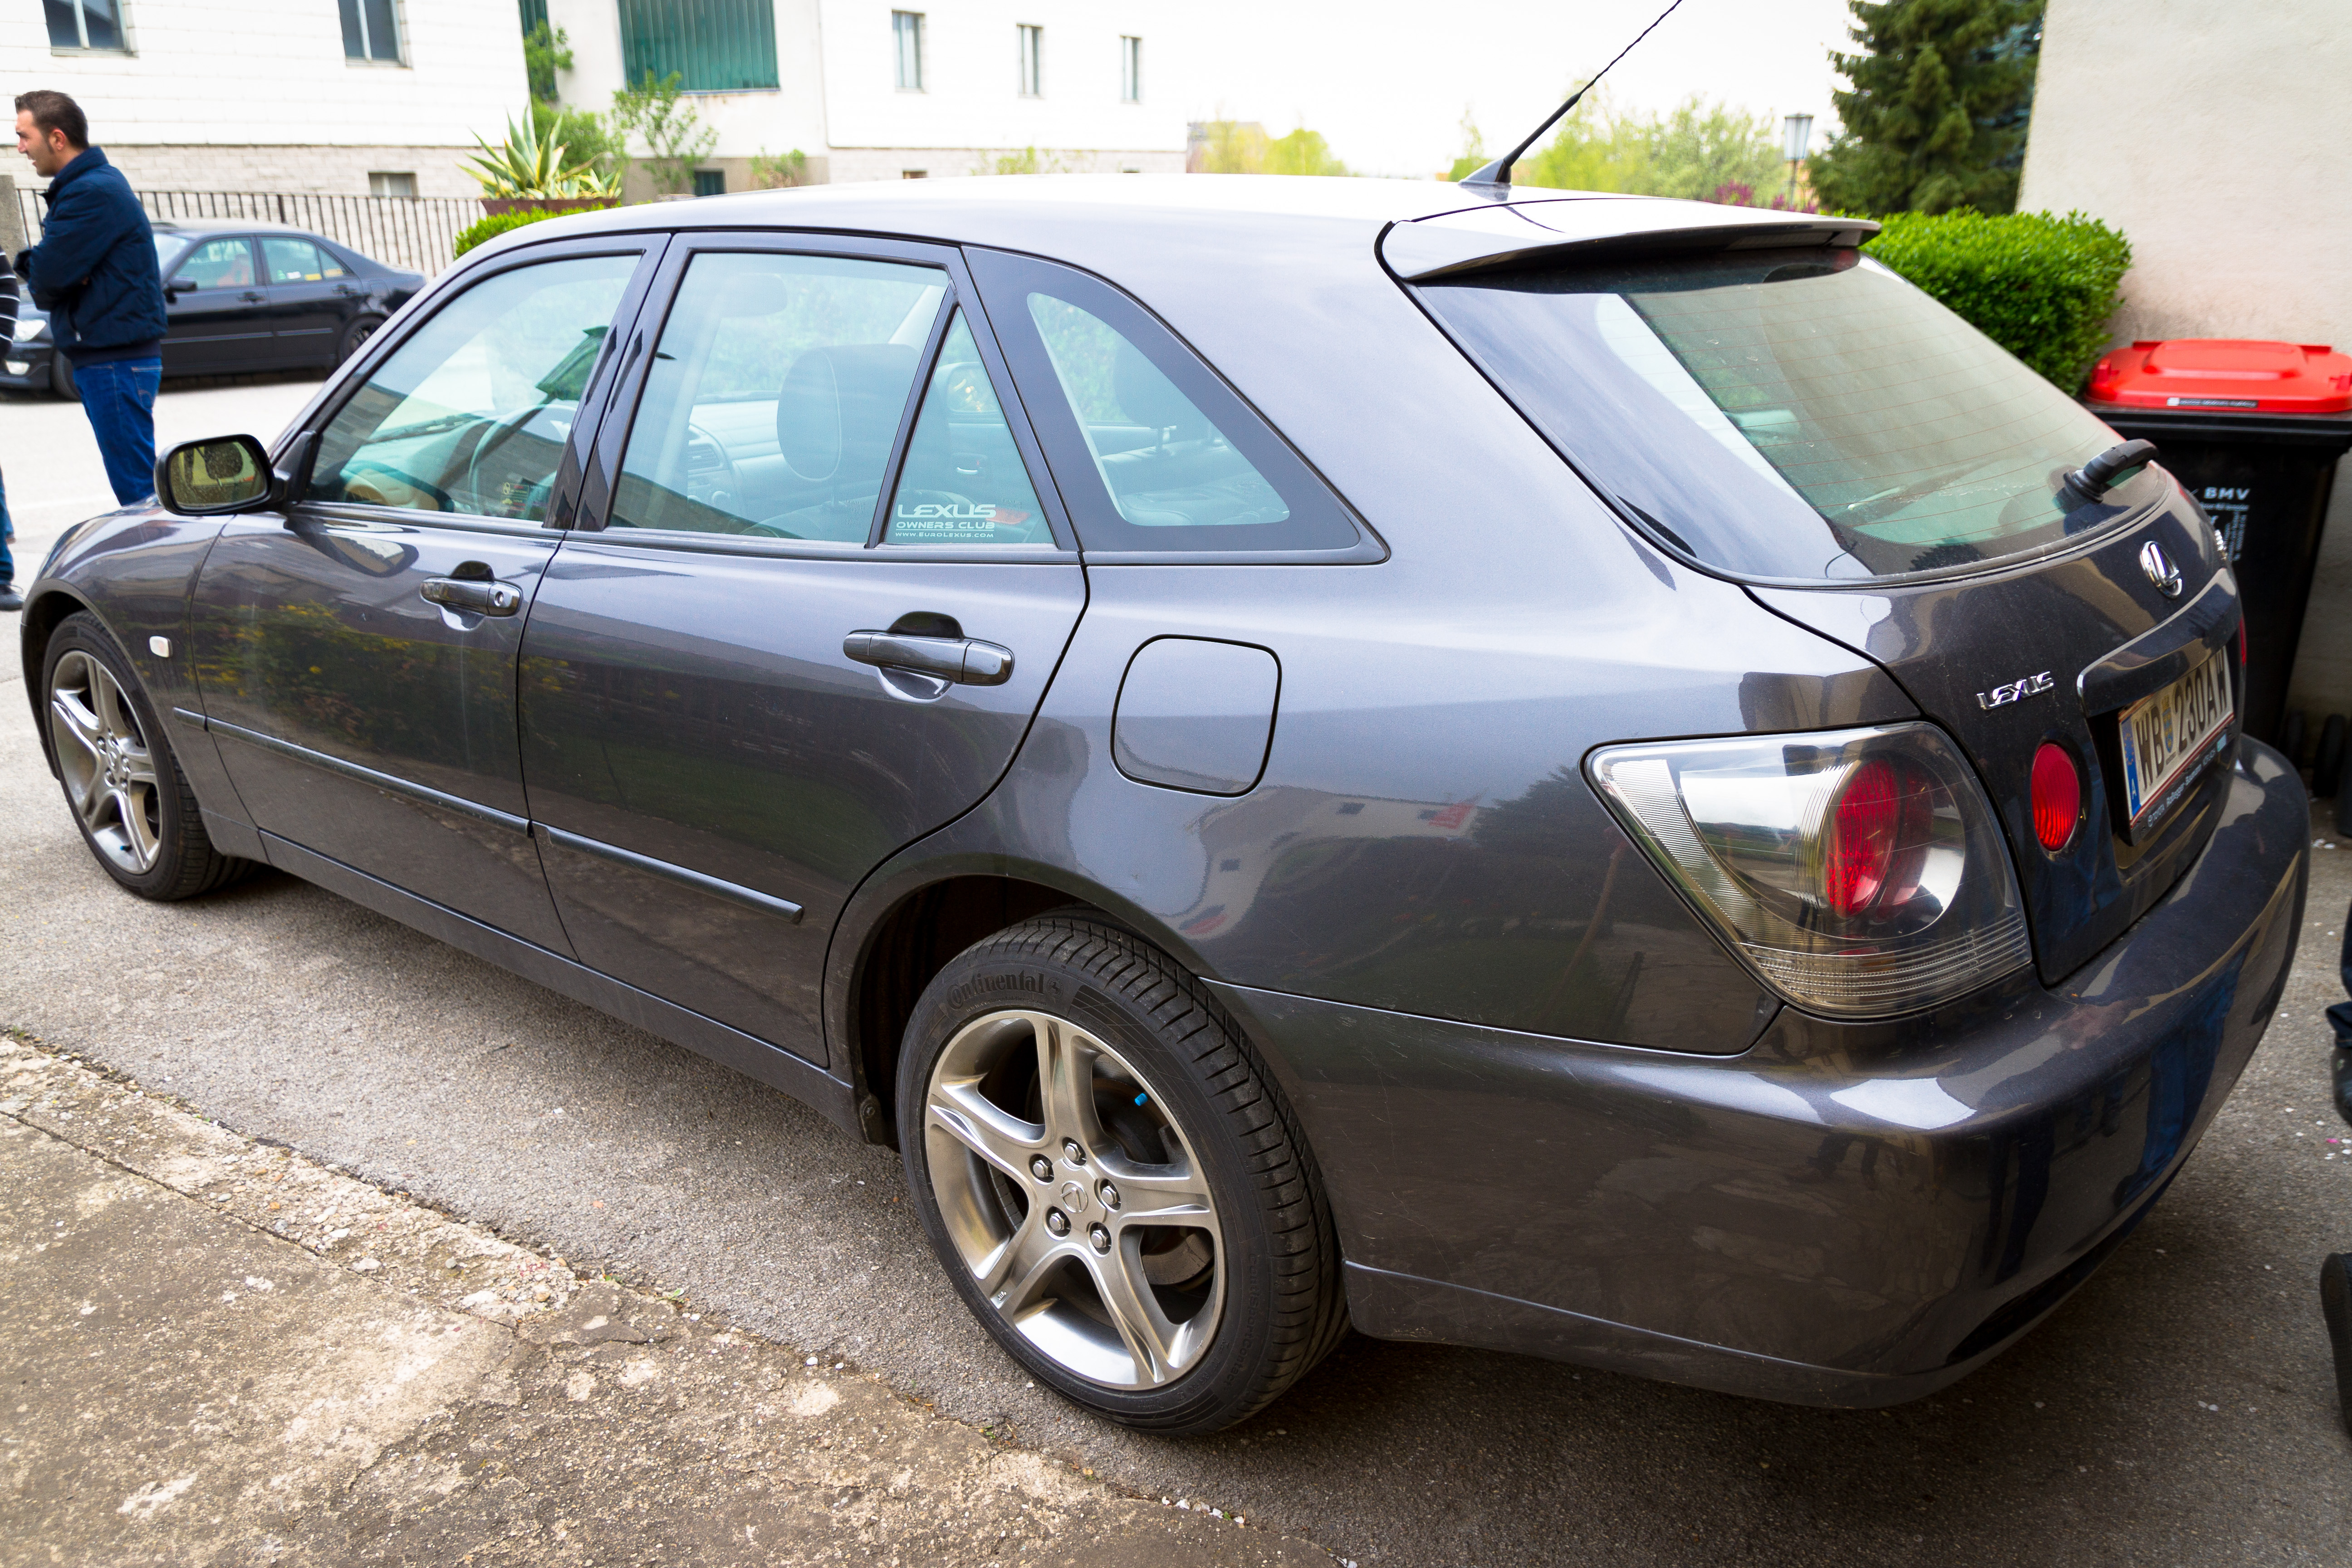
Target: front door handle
[
  {"x": 253, "y": 297},
  {"x": 472, "y": 593},
  {"x": 967, "y": 661}
]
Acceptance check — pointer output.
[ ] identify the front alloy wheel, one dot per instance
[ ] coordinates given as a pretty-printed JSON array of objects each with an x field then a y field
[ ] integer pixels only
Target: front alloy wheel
[
  {"x": 1078, "y": 1206},
  {"x": 129, "y": 797},
  {"x": 104, "y": 760}
]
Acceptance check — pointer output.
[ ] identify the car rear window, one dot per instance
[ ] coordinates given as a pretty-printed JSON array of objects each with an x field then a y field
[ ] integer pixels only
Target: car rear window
[{"x": 1792, "y": 415}]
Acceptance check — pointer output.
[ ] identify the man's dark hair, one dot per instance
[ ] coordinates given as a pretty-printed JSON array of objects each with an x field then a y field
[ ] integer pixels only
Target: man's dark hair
[{"x": 56, "y": 111}]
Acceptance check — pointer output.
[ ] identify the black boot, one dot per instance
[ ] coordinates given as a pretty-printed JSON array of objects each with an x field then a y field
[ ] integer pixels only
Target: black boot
[
  {"x": 9, "y": 598},
  {"x": 2335, "y": 1307}
]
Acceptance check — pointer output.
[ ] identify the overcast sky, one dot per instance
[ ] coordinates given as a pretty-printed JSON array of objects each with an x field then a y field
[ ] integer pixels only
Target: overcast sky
[{"x": 1387, "y": 81}]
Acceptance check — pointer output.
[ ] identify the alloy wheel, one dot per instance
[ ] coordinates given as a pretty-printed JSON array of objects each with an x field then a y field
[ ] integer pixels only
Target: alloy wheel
[
  {"x": 110, "y": 773},
  {"x": 1074, "y": 1199}
]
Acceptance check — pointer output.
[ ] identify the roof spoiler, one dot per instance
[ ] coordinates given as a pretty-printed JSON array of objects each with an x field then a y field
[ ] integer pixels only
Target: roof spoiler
[{"x": 1596, "y": 228}]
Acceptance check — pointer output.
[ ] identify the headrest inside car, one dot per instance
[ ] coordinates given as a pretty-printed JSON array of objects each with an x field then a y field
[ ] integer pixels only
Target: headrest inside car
[
  {"x": 839, "y": 408},
  {"x": 1149, "y": 397}
]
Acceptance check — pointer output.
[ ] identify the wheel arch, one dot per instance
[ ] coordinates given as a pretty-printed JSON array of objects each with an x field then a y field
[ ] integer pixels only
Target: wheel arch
[
  {"x": 42, "y": 615},
  {"x": 904, "y": 927}
]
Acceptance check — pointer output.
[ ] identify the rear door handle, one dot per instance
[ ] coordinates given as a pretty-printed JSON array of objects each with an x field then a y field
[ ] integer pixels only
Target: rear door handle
[
  {"x": 471, "y": 593},
  {"x": 253, "y": 297},
  {"x": 967, "y": 661}
]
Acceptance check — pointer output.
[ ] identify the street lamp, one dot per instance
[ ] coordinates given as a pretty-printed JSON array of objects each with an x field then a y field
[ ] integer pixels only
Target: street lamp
[{"x": 1796, "y": 130}]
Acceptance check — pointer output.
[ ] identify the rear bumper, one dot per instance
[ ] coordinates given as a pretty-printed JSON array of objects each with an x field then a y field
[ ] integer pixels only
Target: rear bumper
[{"x": 1847, "y": 1215}]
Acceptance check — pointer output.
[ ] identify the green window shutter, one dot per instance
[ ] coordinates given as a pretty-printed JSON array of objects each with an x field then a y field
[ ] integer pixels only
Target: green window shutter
[
  {"x": 713, "y": 45},
  {"x": 534, "y": 15}
]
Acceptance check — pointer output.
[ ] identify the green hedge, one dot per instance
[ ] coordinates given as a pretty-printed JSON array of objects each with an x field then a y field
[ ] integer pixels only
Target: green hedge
[
  {"x": 490, "y": 228},
  {"x": 2040, "y": 287}
]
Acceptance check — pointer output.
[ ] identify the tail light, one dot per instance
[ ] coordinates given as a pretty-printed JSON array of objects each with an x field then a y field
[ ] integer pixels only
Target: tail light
[{"x": 1859, "y": 873}]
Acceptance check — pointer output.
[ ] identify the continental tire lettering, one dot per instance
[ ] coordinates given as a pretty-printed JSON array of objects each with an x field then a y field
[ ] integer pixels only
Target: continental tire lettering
[{"x": 998, "y": 987}]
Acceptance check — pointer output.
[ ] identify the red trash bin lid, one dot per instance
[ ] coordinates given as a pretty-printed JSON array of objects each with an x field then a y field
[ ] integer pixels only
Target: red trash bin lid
[{"x": 2244, "y": 373}]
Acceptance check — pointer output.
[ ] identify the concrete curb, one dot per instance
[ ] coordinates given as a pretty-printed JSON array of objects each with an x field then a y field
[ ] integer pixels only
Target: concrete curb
[{"x": 593, "y": 1419}]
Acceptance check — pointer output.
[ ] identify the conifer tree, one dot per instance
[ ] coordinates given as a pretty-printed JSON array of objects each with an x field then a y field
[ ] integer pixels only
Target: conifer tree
[{"x": 1937, "y": 117}]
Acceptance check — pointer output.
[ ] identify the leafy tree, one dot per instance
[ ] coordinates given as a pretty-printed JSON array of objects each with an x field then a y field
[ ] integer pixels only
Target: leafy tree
[
  {"x": 675, "y": 137},
  {"x": 1695, "y": 151},
  {"x": 544, "y": 52},
  {"x": 1243, "y": 147},
  {"x": 1937, "y": 117}
]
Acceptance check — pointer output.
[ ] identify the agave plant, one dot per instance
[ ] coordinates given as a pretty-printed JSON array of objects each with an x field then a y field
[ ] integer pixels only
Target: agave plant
[{"x": 530, "y": 164}]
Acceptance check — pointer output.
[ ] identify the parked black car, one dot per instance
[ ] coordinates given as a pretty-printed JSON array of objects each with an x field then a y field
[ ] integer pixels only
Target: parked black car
[
  {"x": 241, "y": 297},
  {"x": 1591, "y": 775}
]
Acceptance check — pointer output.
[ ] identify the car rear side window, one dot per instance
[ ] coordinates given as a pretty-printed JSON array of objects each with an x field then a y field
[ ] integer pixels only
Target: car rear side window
[
  {"x": 1153, "y": 453},
  {"x": 775, "y": 396},
  {"x": 470, "y": 413},
  {"x": 1783, "y": 414}
]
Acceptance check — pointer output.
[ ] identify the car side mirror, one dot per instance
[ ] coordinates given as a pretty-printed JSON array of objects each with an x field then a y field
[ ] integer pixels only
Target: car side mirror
[{"x": 227, "y": 473}]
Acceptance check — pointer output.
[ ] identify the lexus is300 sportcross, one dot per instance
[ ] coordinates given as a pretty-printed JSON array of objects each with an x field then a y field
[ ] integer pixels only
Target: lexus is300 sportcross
[{"x": 1590, "y": 776}]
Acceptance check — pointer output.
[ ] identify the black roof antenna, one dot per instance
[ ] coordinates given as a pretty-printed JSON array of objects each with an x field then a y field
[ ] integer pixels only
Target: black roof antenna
[{"x": 1495, "y": 179}]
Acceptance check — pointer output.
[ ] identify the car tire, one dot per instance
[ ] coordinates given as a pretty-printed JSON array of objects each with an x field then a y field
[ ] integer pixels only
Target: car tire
[
  {"x": 61, "y": 377},
  {"x": 1185, "y": 1192},
  {"x": 121, "y": 781},
  {"x": 355, "y": 336}
]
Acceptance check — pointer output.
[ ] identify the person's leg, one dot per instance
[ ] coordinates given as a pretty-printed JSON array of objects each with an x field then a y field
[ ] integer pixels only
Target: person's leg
[
  {"x": 2339, "y": 1017},
  {"x": 120, "y": 398}
]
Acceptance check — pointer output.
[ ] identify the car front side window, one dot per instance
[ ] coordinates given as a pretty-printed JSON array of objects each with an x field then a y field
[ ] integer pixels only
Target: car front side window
[
  {"x": 471, "y": 413},
  {"x": 218, "y": 264}
]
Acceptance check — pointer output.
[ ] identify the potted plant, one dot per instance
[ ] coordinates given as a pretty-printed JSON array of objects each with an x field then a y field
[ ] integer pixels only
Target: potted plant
[{"x": 528, "y": 172}]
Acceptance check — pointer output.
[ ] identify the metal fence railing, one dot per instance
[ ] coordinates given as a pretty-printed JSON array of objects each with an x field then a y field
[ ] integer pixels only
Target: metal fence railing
[{"x": 415, "y": 232}]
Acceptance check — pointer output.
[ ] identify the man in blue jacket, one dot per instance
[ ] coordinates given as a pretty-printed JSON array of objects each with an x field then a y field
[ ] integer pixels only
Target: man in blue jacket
[{"x": 95, "y": 273}]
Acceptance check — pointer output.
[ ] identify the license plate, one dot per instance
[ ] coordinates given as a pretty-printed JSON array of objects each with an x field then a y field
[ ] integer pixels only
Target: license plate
[{"x": 2166, "y": 735}]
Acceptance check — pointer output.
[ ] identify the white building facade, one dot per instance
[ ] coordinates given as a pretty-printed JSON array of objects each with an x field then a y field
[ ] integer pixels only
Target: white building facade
[
  {"x": 340, "y": 97},
  {"x": 872, "y": 89}
]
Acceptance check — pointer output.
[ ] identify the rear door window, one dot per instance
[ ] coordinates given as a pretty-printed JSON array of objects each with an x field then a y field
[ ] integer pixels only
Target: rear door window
[
  {"x": 298, "y": 261},
  {"x": 963, "y": 482},
  {"x": 1153, "y": 452},
  {"x": 1791, "y": 414},
  {"x": 776, "y": 394}
]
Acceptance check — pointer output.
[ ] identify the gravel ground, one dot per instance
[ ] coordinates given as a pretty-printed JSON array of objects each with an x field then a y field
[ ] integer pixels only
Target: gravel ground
[{"x": 2178, "y": 1409}]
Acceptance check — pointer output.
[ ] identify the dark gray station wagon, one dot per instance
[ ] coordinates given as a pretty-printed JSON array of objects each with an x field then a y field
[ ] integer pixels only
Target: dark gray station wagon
[{"x": 1590, "y": 776}]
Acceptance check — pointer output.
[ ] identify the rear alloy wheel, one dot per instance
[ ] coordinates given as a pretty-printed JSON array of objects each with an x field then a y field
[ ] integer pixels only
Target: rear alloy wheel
[
  {"x": 134, "y": 806},
  {"x": 1108, "y": 1174},
  {"x": 61, "y": 377}
]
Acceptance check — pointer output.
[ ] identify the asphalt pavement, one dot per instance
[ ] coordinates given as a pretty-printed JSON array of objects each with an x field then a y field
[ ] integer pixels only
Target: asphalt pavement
[{"x": 2178, "y": 1409}]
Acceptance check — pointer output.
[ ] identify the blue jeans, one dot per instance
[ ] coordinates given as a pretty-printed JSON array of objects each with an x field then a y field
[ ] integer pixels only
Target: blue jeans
[
  {"x": 120, "y": 398},
  {"x": 8, "y": 533}
]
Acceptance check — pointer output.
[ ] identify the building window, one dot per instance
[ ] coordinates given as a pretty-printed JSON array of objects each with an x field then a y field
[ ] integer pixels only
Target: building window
[
  {"x": 86, "y": 25},
  {"x": 1033, "y": 60},
  {"x": 710, "y": 181},
  {"x": 914, "y": 173},
  {"x": 907, "y": 40},
  {"x": 710, "y": 46},
  {"x": 1130, "y": 70},
  {"x": 371, "y": 31},
  {"x": 389, "y": 185}
]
